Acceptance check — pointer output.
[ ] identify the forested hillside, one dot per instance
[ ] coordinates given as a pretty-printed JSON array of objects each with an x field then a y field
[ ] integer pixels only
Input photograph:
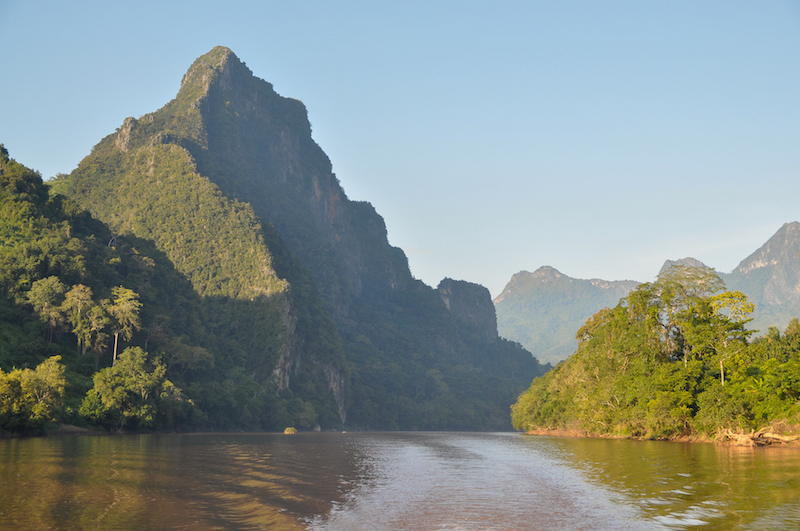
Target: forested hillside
[
  {"x": 226, "y": 181},
  {"x": 673, "y": 359},
  {"x": 542, "y": 309},
  {"x": 138, "y": 346}
]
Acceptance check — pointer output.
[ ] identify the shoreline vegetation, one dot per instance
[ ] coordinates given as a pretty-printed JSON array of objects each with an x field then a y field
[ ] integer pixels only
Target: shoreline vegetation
[
  {"x": 763, "y": 437},
  {"x": 673, "y": 361}
]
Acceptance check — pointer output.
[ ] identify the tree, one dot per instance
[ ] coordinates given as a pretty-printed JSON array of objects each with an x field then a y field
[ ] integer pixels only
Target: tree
[
  {"x": 77, "y": 303},
  {"x": 129, "y": 391},
  {"x": 31, "y": 397},
  {"x": 124, "y": 309},
  {"x": 738, "y": 310},
  {"x": 46, "y": 296},
  {"x": 98, "y": 321},
  {"x": 679, "y": 292}
]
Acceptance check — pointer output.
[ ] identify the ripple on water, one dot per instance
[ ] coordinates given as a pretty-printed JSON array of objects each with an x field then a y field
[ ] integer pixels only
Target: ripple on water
[{"x": 452, "y": 481}]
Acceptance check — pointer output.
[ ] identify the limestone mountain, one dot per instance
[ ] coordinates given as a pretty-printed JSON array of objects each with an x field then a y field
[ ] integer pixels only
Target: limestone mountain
[
  {"x": 770, "y": 277},
  {"x": 227, "y": 181},
  {"x": 544, "y": 309}
]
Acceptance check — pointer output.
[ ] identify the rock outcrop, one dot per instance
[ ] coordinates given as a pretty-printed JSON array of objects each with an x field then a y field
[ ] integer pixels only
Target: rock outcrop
[{"x": 471, "y": 304}]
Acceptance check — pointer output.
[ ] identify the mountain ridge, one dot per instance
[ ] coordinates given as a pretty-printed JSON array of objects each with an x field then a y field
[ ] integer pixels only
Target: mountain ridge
[{"x": 770, "y": 277}]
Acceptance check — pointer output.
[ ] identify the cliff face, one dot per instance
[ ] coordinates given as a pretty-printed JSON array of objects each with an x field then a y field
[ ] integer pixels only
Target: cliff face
[
  {"x": 770, "y": 277},
  {"x": 259, "y": 148},
  {"x": 471, "y": 304}
]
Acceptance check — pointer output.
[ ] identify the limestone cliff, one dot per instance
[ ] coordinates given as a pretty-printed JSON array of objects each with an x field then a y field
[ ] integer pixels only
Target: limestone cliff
[
  {"x": 770, "y": 277},
  {"x": 382, "y": 342},
  {"x": 471, "y": 304}
]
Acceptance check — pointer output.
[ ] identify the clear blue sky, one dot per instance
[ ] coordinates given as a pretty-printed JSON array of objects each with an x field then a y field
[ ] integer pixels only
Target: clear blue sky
[{"x": 600, "y": 138}]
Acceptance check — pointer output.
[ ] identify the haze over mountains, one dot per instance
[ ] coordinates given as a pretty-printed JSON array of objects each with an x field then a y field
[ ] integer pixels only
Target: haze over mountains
[
  {"x": 543, "y": 310},
  {"x": 306, "y": 293}
]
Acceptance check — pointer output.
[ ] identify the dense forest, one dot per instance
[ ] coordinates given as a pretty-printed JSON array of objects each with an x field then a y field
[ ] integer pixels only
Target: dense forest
[
  {"x": 673, "y": 359},
  {"x": 100, "y": 329}
]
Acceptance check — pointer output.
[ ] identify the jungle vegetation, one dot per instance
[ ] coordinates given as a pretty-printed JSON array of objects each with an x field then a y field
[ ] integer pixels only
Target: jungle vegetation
[
  {"x": 102, "y": 328},
  {"x": 672, "y": 359}
]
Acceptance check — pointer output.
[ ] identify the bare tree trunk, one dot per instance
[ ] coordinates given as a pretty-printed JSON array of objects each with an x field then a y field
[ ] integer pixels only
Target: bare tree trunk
[{"x": 116, "y": 340}]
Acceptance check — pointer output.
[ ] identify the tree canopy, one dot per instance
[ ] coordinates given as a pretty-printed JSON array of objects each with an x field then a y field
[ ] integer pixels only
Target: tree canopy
[{"x": 672, "y": 359}]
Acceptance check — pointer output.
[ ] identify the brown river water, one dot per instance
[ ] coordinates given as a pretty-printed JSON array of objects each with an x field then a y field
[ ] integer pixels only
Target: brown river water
[{"x": 377, "y": 481}]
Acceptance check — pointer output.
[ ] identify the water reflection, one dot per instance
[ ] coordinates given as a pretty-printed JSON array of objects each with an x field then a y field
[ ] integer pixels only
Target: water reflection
[
  {"x": 684, "y": 486},
  {"x": 332, "y": 482},
  {"x": 152, "y": 482}
]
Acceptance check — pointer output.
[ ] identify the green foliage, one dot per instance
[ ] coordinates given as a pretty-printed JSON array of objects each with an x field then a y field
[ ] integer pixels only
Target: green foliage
[
  {"x": 133, "y": 392},
  {"x": 31, "y": 397},
  {"x": 672, "y": 359},
  {"x": 46, "y": 296},
  {"x": 124, "y": 310}
]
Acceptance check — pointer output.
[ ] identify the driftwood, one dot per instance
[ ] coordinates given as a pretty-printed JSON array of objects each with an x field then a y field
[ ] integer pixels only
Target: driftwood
[{"x": 762, "y": 437}]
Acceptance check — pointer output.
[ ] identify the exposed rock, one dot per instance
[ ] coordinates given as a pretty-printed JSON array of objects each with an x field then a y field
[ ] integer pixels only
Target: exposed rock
[
  {"x": 124, "y": 134},
  {"x": 687, "y": 262},
  {"x": 472, "y": 305}
]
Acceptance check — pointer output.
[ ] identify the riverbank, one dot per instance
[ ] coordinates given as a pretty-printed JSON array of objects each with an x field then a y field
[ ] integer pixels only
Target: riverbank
[{"x": 769, "y": 436}]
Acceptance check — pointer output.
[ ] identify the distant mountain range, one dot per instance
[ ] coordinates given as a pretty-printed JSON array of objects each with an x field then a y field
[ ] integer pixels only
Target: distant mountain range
[{"x": 543, "y": 310}]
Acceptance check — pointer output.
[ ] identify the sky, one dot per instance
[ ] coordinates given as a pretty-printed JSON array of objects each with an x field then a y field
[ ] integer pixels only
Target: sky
[{"x": 597, "y": 137}]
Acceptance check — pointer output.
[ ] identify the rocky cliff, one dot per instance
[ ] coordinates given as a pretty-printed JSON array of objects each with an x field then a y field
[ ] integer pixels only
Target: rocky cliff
[
  {"x": 770, "y": 277},
  {"x": 471, "y": 304},
  {"x": 257, "y": 146}
]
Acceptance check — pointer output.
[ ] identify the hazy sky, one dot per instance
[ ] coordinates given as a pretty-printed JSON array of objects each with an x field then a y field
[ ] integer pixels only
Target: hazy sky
[{"x": 600, "y": 138}]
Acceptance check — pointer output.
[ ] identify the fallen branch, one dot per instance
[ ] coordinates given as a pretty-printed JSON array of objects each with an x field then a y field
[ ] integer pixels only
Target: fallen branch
[{"x": 762, "y": 437}]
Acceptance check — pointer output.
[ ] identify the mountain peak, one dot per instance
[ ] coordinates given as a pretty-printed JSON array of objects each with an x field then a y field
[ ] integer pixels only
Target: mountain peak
[
  {"x": 219, "y": 65},
  {"x": 687, "y": 262},
  {"x": 523, "y": 278},
  {"x": 783, "y": 245},
  {"x": 215, "y": 60},
  {"x": 547, "y": 272}
]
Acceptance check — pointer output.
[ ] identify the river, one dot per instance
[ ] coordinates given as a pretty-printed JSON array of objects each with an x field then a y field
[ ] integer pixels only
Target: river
[{"x": 377, "y": 481}]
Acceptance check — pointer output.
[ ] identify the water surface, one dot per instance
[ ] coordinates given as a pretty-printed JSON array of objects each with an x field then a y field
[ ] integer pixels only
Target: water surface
[{"x": 334, "y": 481}]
